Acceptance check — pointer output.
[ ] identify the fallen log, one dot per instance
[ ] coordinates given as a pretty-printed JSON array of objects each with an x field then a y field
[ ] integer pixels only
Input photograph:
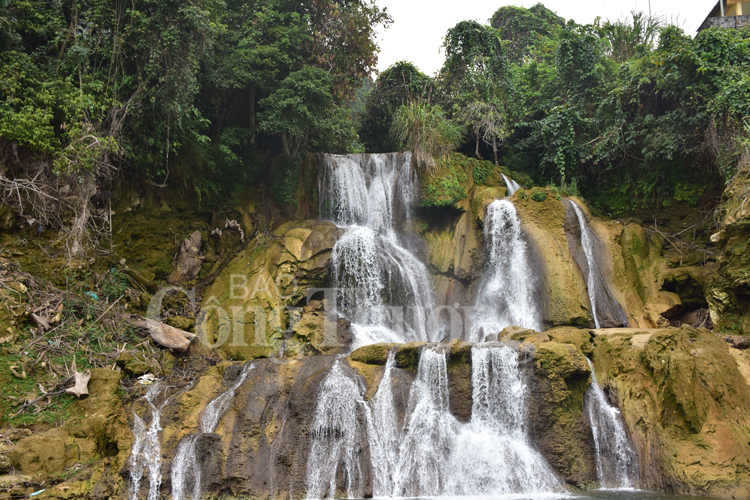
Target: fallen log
[{"x": 163, "y": 334}]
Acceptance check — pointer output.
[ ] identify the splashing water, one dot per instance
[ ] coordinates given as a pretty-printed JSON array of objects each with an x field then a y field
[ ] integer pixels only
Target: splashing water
[
  {"x": 507, "y": 294},
  {"x": 493, "y": 455},
  {"x": 145, "y": 455},
  {"x": 186, "y": 471},
  {"x": 616, "y": 459},
  {"x": 372, "y": 195},
  {"x": 337, "y": 434},
  {"x": 431, "y": 430},
  {"x": 434, "y": 454},
  {"x": 512, "y": 185}
]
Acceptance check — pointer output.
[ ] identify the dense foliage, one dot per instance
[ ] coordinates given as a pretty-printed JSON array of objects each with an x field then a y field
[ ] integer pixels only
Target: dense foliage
[
  {"x": 634, "y": 113},
  {"x": 214, "y": 95},
  {"x": 207, "y": 94}
]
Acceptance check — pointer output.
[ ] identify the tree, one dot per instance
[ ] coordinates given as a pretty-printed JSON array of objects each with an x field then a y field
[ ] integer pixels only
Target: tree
[
  {"x": 302, "y": 105},
  {"x": 629, "y": 40},
  {"x": 524, "y": 28},
  {"x": 474, "y": 80},
  {"x": 395, "y": 87}
]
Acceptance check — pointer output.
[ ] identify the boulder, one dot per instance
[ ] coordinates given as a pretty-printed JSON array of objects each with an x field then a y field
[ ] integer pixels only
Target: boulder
[
  {"x": 686, "y": 401},
  {"x": 250, "y": 309},
  {"x": 375, "y": 354}
]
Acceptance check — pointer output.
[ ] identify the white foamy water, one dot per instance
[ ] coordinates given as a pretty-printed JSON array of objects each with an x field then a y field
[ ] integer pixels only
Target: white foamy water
[
  {"x": 588, "y": 249},
  {"x": 512, "y": 185},
  {"x": 145, "y": 455},
  {"x": 371, "y": 196},
  {"x": 431, "y": 453},
  {"x": 506, "y": 297},
  {"x": 337, "y": 433}
]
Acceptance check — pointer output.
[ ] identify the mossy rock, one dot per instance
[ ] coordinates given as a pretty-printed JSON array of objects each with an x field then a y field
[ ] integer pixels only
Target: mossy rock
[
  {"x": 581, "y": 338},
  {"x": 567, "y": 301},
  {"x": 562, "y": 377},
  {"x": 561, "y": 361},
  {"x": 686, "y": 402},
  {"x": 262, "y": 281},
  {"x": 407, "y": 355},
  {"x": 375, "y": 354}
]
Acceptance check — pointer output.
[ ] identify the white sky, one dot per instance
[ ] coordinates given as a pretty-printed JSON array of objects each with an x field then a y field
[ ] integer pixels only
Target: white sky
[{"x": 419, "y": 26}]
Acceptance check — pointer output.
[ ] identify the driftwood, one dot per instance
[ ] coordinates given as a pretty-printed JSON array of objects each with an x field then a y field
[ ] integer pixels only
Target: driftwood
[
  {"x": 41, "y": 322},
  {"x": 163, "y": 334},
  {"x": 80, "y": 387}
]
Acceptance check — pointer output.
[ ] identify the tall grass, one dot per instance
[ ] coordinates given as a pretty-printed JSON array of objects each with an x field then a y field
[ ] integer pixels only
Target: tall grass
[{"x": 424, "y": 129}]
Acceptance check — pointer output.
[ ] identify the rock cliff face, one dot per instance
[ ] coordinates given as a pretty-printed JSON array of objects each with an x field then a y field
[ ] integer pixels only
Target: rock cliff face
[{"x": 686, "y": 399}]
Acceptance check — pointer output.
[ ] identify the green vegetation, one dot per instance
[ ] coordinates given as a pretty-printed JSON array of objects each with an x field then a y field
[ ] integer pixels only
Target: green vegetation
[
  {"x": 202, "y": 95},
  {"x": 634, "y": 112},
  {"x": 426, "y": 131},
  {"x": 83, "y": 312}
]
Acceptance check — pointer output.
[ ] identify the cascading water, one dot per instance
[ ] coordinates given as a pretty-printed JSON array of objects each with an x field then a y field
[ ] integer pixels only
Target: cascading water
[
  {"x": 383, "y": 433},
  {"x": 588, "y": 249},
  {"x": 186, "y": 471},
  {"x": 507, "y": 294},
  {"x": 337, "y": 434},
  {"x": 616, "y": 459},
  {"x": 432, "y": 453},
  {"x": 145, "y": 455},
  {"x": 512, "y": 185},
  {"x": 371, "y": 195},
  {"x": 431, "y": 430},
  {"x": 493, "y": 454}
]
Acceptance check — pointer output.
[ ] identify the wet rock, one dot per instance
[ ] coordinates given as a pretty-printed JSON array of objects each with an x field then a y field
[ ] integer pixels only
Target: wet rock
[
  {"x": 561, "y": 379},
  {"x": 581, "y": 338}
]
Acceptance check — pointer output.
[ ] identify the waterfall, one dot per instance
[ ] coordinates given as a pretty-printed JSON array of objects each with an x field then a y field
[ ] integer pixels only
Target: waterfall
[
  {"x": 186, "y": 471},
  {"x": 337, "y": 436},
  {"x": 588, "y": 249},
  {"x": 371, "y": 196},
  {"x": 493, "y": 455},
  {"x": 434, "y": 454},
  {"x": 431, "y": 430},
  {"x": 145, "y": 455},
  {"x": 383, "y": 433},
  {"x": 512, "y": 185},
  {"x": 506, "y": 296},
  {"x": 616, "y": 459}
]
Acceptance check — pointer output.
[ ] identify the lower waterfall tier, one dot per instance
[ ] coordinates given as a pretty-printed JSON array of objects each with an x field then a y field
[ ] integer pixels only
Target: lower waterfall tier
[{"x": 324, "y": 426}]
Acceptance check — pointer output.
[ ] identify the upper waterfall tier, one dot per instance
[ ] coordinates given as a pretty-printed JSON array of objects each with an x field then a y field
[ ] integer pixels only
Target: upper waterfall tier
[
  {"x": 383, "y": 288},
  {"x": 376, "y": 191}
]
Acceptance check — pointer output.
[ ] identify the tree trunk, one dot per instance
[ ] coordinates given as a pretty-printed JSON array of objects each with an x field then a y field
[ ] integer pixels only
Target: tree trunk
[
  {"x": 476, "y": 150},
  {"x": 251, "y": 98}
]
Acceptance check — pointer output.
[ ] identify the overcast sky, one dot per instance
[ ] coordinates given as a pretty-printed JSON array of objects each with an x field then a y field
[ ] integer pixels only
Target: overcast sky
[{"x": 419, "y": 26}]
